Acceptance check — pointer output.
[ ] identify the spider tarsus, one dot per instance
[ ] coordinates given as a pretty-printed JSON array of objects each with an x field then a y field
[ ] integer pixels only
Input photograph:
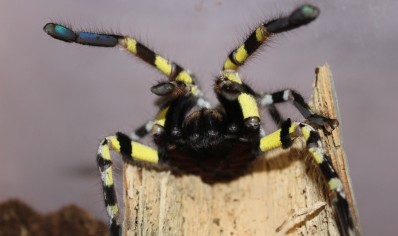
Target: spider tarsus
[
  {"x": 326, "y": 124},
  {"x": 116, "y": 230},
  {"x": 304, "y": 15}
]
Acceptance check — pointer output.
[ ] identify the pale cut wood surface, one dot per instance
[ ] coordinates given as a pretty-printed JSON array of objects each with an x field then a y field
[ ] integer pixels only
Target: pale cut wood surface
[
  {"x": 325, "y": 102},
  {"x": 282, "y": 194}
]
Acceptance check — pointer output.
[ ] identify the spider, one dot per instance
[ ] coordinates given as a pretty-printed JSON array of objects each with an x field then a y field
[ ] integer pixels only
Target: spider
[{"x": 218, "y": 143}]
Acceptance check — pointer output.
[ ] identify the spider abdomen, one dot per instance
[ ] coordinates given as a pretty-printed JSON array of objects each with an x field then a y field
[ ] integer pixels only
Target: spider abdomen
[{"x": 220, "y": 165}]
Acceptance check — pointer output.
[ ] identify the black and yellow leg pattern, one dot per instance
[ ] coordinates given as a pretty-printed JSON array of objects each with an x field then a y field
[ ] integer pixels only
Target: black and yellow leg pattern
[
  {"x": 283, "y": 138},
  {"x": 238, "y": 100},
  {"x": 122, "y": 144},
  {"x": 171, "y": 69},
  {"x": 299, "y": 17}
]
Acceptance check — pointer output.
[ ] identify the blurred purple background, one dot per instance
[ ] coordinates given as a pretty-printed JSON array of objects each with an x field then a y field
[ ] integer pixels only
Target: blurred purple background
[{"x": 57, "y": 100}]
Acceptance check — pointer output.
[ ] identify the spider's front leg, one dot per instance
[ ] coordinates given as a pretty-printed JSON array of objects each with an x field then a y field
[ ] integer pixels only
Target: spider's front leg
[
  {"x": 172, "y": 70},
  {"x": 283, "y": 138},
  {"x": 130, "y": 149},
  {"x": 299, "y": 17},
  {"x": 240, "y": 104}
]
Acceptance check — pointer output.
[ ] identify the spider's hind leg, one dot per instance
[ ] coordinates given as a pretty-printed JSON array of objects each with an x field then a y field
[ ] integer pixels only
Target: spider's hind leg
[
  {"x": 289, "y": 95},
  {"x": 122, "y": 144},
  {"x": 283, "y": 138}
]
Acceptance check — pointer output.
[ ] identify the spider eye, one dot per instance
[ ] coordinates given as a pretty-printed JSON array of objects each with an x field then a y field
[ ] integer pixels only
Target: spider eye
[{"x": 163, "y": 89}]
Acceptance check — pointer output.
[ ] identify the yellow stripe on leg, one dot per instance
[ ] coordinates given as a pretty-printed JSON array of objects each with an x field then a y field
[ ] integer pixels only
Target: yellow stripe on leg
[
  {"x": 229, "y": 65},
  {"x": 317, "y": 155},
  {"x": 143, "y": 153},
  {"x": 130, "y": 44},
  {"x": 185, "y": 77},
  {"x": 262, "y": 34},
  {"x": 273, "y": 140},
  {"x": 163, "y": 65},
  {"x": 161, "y": 117},
  {"x": 335, "y": 184},
  {"x": 113, "y": 210},
  {"x": 241, "y": 54},
  {"x": 249, "y": 105},
  {"x": 231, "y": 75},
  {"x": 114, "y": 143},
  {"x": 306, "y": 132},
  {"x": 104, "y": 152},
  {"x": 107, "y": 177}
]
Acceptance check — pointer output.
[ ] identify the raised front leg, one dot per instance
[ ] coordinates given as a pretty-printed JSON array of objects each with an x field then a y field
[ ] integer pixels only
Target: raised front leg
[
  {"x": 171, "y": 69},
  {"x": 299, "y": 17}
]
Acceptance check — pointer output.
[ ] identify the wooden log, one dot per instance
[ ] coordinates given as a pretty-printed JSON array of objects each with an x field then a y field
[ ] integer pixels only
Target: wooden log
[
  {"x": 283, "y": 193},
  {"x": 325, "y": 102}
]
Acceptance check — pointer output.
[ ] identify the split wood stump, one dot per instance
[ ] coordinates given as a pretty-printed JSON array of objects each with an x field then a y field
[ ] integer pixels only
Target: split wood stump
[{"x": 283, "y": 193}]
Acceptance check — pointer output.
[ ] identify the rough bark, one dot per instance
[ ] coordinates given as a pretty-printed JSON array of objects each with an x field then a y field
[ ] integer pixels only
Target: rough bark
[{"x": 283, "y": 193}]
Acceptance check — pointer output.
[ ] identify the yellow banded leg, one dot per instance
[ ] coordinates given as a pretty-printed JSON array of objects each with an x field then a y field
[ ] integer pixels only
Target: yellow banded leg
[
  {"x": 171, "y": 69},
  {"x": 123, "y": 144},
  {"x": 299, "y": 17},
  {"x": 238, "y": 99},
  {"x": 238, "y": 56},
  {"x": 282, "y": 138}
]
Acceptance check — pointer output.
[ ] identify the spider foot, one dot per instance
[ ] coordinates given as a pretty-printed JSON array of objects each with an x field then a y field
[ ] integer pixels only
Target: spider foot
[
  {"x": 326, "y": 124},
  {"x": 116, "y": 229},
  {"x": 344, "y": 216}
]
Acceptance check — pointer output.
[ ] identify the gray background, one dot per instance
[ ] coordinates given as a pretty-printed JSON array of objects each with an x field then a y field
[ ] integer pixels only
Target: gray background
[{"x": 58, "y": 100}]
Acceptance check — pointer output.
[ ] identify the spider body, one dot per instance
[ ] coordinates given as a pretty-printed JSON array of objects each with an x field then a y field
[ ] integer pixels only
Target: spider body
[
  {"x": 214, "y": 143},
  {"x": 208, "y": 147}
]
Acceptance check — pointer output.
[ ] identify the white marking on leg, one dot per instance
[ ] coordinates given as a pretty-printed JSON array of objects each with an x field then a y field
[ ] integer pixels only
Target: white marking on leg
[
  {"x": 267, "y": 100},
  {"x": 134, "y": 136},
  {"x": 148, "y": 126},
  {"x": 336, "y": 184},
  {"x": 287, "y": 95}
]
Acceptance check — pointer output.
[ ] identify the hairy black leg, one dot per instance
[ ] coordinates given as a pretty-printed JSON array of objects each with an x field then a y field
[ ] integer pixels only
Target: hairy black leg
[
  {"x": 180, "y": 100},
  {"x": 289, "y": 95},
  {"x": 283, "y": 138},
  {"x": 299, "y": 17},
  {"x": 142, "y": 131},
  {"x": 275, "y": 114},
  {"x": 240, "y": 104},
  {"x": 172, "y": 70}
]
